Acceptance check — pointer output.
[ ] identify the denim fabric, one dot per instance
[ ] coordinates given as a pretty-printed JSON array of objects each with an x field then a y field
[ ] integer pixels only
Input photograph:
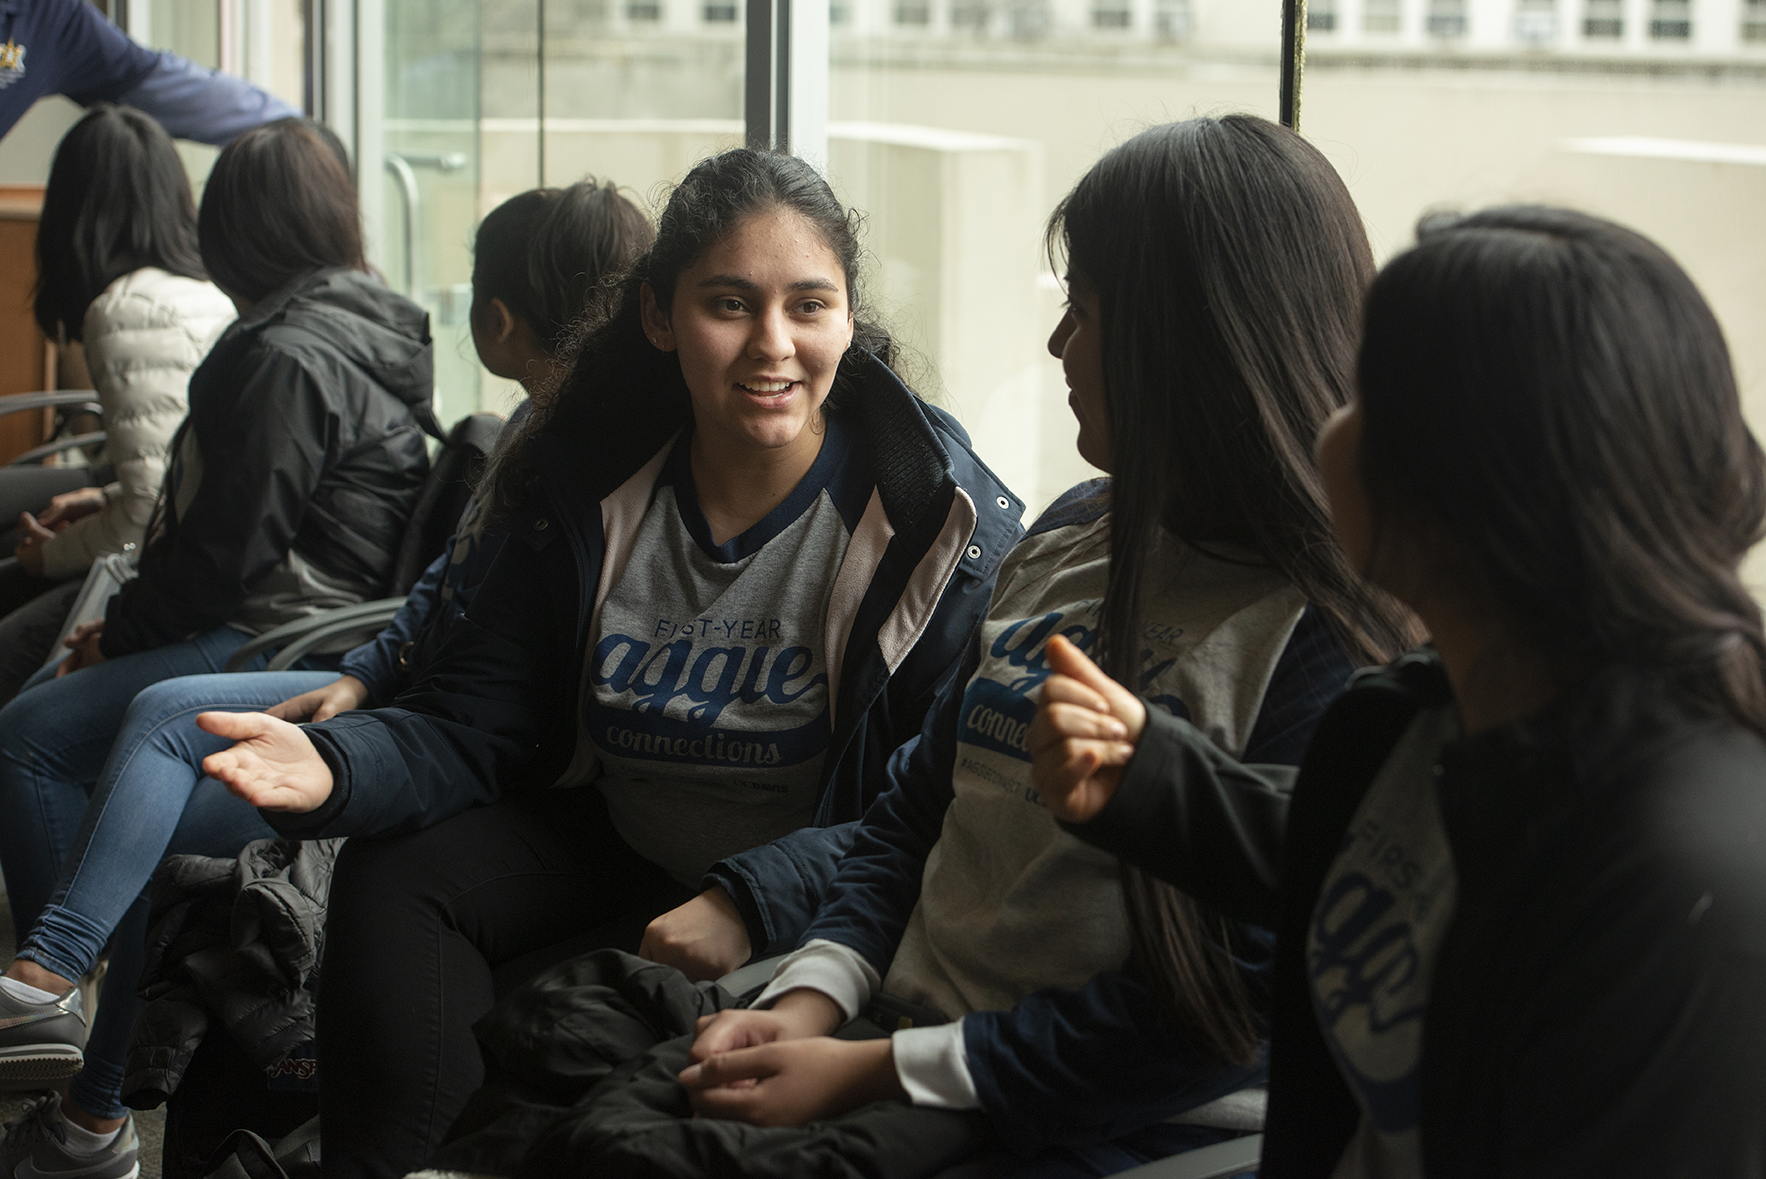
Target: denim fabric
[{"x": 82, "y": 827}]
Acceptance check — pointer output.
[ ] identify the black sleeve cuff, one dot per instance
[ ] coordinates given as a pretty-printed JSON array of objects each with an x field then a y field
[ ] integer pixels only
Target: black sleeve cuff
[{"x": 312, "y": 824}]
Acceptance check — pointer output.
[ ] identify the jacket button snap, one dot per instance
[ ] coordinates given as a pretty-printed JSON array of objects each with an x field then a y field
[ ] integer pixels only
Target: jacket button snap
[
  {"x": 1003, "y": 502},
  {"x": 974, "y": 552},
  {"x": 540, "y": 524}
]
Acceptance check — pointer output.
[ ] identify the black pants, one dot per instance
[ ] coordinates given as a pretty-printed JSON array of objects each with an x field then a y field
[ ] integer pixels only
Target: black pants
[{"x": 421, "y": 929}]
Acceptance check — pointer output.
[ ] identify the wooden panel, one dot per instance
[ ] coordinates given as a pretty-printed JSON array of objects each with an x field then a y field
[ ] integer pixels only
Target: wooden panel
[{"x": 24, "y": 363}]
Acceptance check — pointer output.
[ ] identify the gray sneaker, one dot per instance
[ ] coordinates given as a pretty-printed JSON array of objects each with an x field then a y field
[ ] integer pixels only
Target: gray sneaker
[
  {"x": 35, "y": 1147},
  {"x": 41, "y": 1044}
]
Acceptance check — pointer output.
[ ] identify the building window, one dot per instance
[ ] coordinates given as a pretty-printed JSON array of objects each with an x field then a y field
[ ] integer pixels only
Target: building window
[
  {"x": 1027, "y": 19},
  {"x": 720, "y": 14},
  {"x": 839, "y": 14},
  {"x": 1447, "y": 18},
  {"x": 647, "y": 10},
  {"x": 1670, "y": 20},
  {"x": 1603, "y": 19},
  {"x": 1380, "y": 16},
  {"x": 1753, "y": 21},
  {"x": 969, "y": 14},
  {"x": 1321, "y": 16},
  {"x": 913, "y": 14},
  {"x": 1110, "y": 16},
  {"x": 1171, "y": 19},
  {"x": 1536, "y": 22}
]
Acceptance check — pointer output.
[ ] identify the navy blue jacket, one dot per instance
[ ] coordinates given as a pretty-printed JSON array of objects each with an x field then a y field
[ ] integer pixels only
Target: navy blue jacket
[
  {"x": 498, "y": 708},
  {"x": 68, "y": 47},
  {"x": 1061, "y": 1067}
]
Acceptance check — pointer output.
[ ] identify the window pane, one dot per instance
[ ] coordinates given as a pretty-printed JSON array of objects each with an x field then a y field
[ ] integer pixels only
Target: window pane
[
  {"x": 1650, "y": 112},
  {"x": 956, "y": 125}
]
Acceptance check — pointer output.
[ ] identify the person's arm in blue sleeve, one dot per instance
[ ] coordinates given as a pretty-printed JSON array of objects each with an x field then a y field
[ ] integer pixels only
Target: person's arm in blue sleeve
[
  {"x": 877, "y": 883},
  {"x": 195, "y": 102},
  {"x": 494, "y": 702},
  {"x": 1071, "y": 1068},
  {"x": 778, "y": 886},
  {"x": 78, "y": 52},
  {"x": 377, "y": 662}
]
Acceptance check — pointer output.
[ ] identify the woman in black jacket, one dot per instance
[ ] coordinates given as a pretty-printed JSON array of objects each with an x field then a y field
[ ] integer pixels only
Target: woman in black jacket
[
  {"x": 742, "y": 559},
  {"x": 289, "y": 488},
  {"x": 1520, "y": 888}
]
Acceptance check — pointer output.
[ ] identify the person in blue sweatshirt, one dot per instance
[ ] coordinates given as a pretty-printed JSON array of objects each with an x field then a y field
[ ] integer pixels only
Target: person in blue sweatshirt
[{"x": 69, "y": 47}]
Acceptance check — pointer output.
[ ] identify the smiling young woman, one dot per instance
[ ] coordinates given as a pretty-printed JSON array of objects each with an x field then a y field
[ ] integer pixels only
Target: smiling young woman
[{"x": 723, "y": 521}]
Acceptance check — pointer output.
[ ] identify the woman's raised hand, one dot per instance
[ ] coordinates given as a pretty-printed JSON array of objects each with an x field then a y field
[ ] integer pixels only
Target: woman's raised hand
[
  {"x": 1084, "y": 734},
  {"x": 274, "y": 766}
]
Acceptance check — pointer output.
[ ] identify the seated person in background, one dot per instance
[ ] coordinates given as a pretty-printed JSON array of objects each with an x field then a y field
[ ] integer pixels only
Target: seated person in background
[
  {"x": 743, "y": 558},
  {"x": 117, "y": 252},
  {"x": 1524, "y": 882},
  {"x": 290, "y": 485},
  {"x": 69, "y": 47},
  {"x": 1094, "y": 1017},
  {"x": 537, "y": 259}
]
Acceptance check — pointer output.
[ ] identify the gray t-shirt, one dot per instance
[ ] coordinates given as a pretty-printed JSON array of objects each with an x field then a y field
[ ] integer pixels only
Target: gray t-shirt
[
  {"x": 1376, "y": 932},
  {"x": 707, "y": 692}
]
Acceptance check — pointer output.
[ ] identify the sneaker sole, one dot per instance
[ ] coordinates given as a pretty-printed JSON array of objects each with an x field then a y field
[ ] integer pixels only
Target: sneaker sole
[{"x": 39, "y": 1064}]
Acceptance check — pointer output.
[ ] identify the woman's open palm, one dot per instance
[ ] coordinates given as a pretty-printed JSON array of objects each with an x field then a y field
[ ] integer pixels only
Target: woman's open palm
[{"x": 274, "y": 764}]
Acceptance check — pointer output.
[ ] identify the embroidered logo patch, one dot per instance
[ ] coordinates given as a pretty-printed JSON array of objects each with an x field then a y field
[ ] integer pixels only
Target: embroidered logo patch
[{"x": 12, "y": 63}]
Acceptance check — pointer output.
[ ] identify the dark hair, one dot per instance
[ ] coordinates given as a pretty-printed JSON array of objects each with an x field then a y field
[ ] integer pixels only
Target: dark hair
[
  {"x": 545, "y": 251},
  {"x": 610, "y": 356},
  {"x": 1229, "y": 263},
  {"x": 1553, "y": 390},
  {"x": 279, "y": 205},
  {"x": 117, "y": 200}
]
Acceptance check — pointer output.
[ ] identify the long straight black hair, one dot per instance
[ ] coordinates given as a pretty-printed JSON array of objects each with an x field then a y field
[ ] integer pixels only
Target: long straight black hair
[
  {"x": 1554, "y": 391},
  {"x": 611, "y": 357},
  {"x": 117, "y": 200},
  {"x": 1229, "y": 263}
]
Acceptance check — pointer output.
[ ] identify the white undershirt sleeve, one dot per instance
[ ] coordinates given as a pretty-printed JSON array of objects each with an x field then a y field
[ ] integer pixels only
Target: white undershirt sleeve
[
  {"x": 837, "y": 971},
  {"x": 933, "y": 1066}
]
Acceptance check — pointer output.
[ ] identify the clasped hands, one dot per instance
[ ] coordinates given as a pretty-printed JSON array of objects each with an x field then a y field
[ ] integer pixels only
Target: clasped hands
[{"x": 781, "y": 1067}]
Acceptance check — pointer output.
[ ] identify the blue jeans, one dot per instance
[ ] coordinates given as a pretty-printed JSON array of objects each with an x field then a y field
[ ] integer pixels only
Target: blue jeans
[{"x": 83, "y": 825}]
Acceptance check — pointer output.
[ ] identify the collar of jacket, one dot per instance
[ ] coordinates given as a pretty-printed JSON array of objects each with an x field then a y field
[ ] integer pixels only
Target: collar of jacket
[
  {"x": 408, "y": 372},
  {"x": 918, "y": 475}
]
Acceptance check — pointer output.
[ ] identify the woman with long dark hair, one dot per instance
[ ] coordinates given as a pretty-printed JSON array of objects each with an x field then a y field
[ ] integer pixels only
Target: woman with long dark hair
[
  {"x": 743, "y": 556},
  {"x": 1523, "y": 879},
  {"x": 1084, "y": 1019},
  {"x": 118, "y": 272},
  {"x": 288, "y": 492}
]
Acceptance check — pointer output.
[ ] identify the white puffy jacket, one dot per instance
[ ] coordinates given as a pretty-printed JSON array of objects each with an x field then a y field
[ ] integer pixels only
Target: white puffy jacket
[{"x": 144, "y": 336}]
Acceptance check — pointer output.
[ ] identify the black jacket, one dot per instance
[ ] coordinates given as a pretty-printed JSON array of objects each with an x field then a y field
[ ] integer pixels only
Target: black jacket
[
  {"x": 1599, "y": 1005},
  {"x": 304, "y": 451},
  {"x": 498, "y": 709},
  {"x": 235, "y": 942}
]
